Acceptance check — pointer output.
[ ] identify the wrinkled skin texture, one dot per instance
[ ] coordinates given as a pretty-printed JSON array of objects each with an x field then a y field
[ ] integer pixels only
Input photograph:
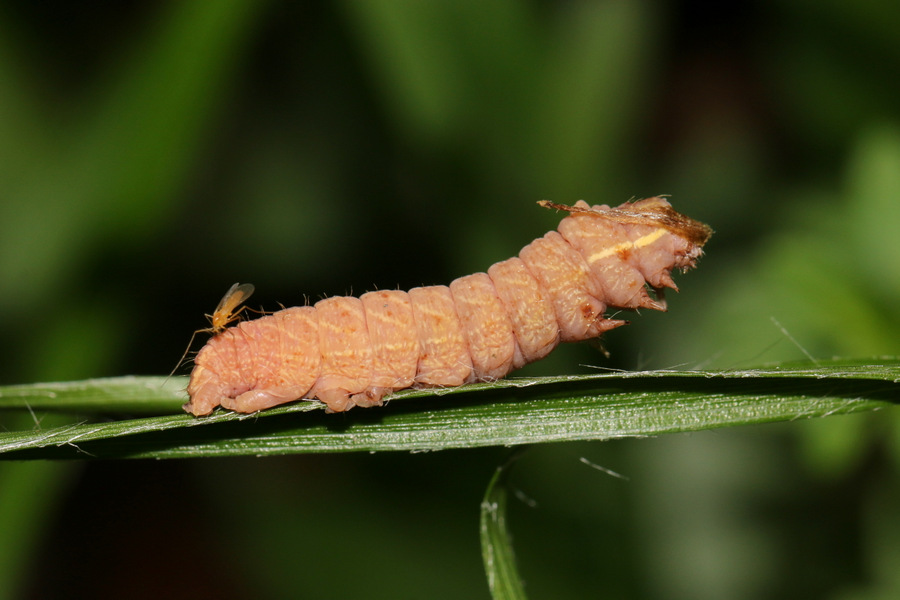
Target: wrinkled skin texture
[{"x": 349, "y": 351}]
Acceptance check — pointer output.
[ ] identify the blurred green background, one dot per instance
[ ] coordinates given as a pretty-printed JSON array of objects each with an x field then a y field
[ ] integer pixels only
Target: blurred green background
[{"x": 155, "y": 153}]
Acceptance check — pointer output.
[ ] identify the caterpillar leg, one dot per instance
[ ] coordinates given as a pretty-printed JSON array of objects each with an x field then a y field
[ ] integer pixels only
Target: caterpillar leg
[
  {"x": 339, "y": 400},
  {"x": 261, "y": 399},
  {"x": 371, "y": 397},
  {"x": 205, "y": 390}
]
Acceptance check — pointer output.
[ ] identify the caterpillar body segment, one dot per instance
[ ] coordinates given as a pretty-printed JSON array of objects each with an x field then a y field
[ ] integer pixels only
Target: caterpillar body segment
[{"x": 347, "y": 351}]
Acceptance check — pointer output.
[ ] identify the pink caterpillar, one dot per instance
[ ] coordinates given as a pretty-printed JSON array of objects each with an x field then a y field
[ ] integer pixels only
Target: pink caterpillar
[{"x": 349, "y": 351}]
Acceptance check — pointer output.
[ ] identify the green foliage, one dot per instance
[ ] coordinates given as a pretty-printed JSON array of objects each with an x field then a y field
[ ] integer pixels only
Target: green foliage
[
  {"x": 509, "y": 412},
  {"x": 503, "y": 577}
]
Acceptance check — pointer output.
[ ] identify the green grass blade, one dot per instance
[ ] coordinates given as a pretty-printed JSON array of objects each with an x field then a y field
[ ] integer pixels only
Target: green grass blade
[
  {"x": 142, "y": 395},
  {"x": 509, "y": 412},
  {"x": 496, "y": 543}
]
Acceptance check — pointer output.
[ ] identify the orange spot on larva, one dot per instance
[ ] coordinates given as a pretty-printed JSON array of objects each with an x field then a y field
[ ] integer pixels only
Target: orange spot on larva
[{"x": 587, "y": 311}]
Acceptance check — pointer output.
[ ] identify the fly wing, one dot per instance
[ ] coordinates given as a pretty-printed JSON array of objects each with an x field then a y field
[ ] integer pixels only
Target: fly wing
[{"x": 234, "y": 297}]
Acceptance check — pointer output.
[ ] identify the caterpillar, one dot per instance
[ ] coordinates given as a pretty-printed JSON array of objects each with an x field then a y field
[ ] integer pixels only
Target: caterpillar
[{"x": 347, "y": 351}]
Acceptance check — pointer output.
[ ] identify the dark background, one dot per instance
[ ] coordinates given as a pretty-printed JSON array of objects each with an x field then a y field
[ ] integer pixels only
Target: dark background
[{"x": 155, "y": 153}]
